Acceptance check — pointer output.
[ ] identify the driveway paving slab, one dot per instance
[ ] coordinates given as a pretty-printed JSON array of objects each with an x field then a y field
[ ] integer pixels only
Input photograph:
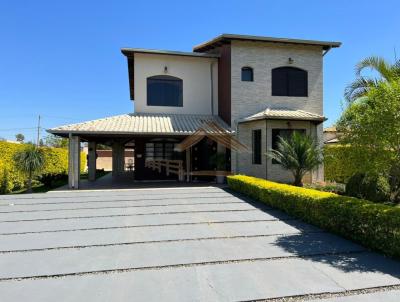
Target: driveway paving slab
[{"x": 177, "y": 244}]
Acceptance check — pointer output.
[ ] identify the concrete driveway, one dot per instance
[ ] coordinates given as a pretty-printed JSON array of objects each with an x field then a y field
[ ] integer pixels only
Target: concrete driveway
[{"x": 177, "y": 244}]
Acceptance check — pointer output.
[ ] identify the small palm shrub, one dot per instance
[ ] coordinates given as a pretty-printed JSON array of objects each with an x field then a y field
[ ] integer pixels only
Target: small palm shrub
[
  {"x": 299, "y": 154},
  {"x": 29, "y": 161}
]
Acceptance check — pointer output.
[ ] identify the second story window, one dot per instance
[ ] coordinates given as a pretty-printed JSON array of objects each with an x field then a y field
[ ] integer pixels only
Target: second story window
[
  {"x": 247, "y": 74},
  {"x": 164, "y": 90},
  {"x": 289, "y": 81}
]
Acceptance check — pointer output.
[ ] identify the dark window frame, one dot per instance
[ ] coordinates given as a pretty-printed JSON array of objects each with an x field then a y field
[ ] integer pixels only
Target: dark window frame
[
  {"x": 160, "y": 150},
  {"x": 289, "y": 81},
  {"x": 247, "y": 74},
  {"x": 256, "y": 138},
  {"x": 165, "y": 91}
]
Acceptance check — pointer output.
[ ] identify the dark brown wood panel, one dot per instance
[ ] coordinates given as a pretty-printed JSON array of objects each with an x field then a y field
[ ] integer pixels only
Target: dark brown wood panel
[
  {"x": 131, "y": 69},
  {"x": 224, "y": 83}
]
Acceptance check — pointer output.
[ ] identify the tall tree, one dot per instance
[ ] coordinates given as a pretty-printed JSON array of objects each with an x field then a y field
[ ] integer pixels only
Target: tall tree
[
  {"x": 20, "y": 137},
  {"x": 29, "y": 161},
  {"x": 299, "y": 154},
  {"x": 387, "y": 72},
  {"x": 56, "y": 141}
]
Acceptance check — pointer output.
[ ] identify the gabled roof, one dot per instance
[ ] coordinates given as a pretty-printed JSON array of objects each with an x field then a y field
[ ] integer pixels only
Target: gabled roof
[
  {"x": 214, "y": 132},
  {"x": 142, "y": 124},
  {"x": 284, "y": 114},
  {"x": 226, "y": 38}
]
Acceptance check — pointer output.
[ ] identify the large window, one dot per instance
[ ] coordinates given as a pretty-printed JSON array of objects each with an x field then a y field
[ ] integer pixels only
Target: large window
[
  {"x": 256, "y": 137},
  {"x": 289, "y": 81},
  {"x": 160, "y": 150},
  {"x": 164, "y": 90},
  {"x": 247, "y": 74},
  {"x": 284, "y": 133}
]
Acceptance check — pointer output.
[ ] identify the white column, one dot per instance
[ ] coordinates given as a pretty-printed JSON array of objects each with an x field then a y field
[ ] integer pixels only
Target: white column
[
  {"x": 92, "y": 161},
  {"x": 74, "y": 162},
  {"x": 118, "y": 158},
  {"x": 317, "y": 132}
]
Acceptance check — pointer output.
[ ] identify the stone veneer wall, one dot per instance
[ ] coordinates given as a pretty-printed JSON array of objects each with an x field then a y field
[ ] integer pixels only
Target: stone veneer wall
[
  {"x": 251, "y": 97},
  {"x": 267, "y": 169}
]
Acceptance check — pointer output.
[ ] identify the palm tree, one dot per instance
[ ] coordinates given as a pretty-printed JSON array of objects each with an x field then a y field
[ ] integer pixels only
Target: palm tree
[
  {"x": 29, "y": 161},
  {"x": 387, "y": 72},
  {"x": 299, "y": 153}
]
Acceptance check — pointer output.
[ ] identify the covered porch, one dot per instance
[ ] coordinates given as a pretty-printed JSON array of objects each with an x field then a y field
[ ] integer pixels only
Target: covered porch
[{"x": 154, "y": 140}]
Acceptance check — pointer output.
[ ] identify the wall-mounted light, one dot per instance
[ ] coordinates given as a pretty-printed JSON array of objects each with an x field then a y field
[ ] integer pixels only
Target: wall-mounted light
[
  {"x": 290, "y": 61},
  {"x": 165, "y": 69}
]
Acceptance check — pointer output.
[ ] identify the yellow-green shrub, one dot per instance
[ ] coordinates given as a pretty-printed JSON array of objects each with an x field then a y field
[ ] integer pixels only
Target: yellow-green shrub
[
  {"x": 56, "y": 161},
  {"x": 375, "y": 226},
  {"x": 339, "y": 165}
]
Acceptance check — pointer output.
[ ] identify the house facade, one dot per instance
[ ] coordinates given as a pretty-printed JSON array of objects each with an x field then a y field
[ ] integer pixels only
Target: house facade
[{"x": 254, "y": 88}]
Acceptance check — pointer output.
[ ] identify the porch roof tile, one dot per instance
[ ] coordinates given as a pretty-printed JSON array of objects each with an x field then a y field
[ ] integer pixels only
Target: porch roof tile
[
  {"x": 284, "y": 114},
  {"x": 141, "y": 123}
]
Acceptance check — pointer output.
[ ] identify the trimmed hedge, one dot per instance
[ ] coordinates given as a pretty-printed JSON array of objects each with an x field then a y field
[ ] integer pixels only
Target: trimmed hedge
[
  {"x": 56, "y": 162},
  {"x": 375, "y": 226},
  {"x": 339, "y": 165}
]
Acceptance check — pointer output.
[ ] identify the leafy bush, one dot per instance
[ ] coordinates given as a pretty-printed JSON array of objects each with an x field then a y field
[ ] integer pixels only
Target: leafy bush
[
  {"x": 56, "y": 162},
  {"x": 371, "y": 187},
  {"x": 332, "y": 187},
  {"x": 5, "y": 184},
  {"x": 52, "y": 179},
  {"x": 375, "y": 226},
  {"x": 376, "y": 188},
  {"x": 353, "y": 186},
  {"x": 339, "y": 165}
]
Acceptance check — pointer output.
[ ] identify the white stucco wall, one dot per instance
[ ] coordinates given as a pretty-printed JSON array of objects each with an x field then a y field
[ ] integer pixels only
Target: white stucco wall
[{"x": 196, "y": 76}]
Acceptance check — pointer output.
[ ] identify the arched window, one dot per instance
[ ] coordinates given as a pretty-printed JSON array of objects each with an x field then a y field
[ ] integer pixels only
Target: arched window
[
  {"x": 289, "y": 81},
  {"x": 163, "y": 90},
  {"x": 247, "y": 74}
]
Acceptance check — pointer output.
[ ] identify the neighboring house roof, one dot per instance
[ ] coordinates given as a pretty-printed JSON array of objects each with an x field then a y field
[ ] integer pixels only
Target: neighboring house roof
[
  {"x": 142, "y": 123},
  {"x": 284, "y": 114},
  {"x": 330, "y": 129},
  {"x": 224, "y": 38},
  {"x": 332, "y": 141},
  {"x": 130, "y": 51}
]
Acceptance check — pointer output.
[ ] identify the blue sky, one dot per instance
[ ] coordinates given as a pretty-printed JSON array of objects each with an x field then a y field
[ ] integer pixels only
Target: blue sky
[{"x": 62, "y": 59}]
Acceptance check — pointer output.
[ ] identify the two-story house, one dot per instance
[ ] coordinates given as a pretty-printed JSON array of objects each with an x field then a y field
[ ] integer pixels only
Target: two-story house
[{"x": 255, "y": 88}]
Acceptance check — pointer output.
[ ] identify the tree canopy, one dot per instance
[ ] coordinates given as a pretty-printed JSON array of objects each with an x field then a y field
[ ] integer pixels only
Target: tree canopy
[
  {"x": 371, "y": 131},
  {"x": 360, "y": 87}
]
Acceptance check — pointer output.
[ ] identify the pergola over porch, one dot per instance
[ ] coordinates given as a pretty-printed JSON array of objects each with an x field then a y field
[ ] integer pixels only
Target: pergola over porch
[{"x": 117, "y": 131}]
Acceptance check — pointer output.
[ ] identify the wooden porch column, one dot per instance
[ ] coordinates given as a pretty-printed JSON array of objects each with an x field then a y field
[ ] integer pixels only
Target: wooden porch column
[
  {"x": 92, "y": 161},
  {"x": 118, "y": 158},
  {"x": 74, "y": 161},
  {"x": 221, "y": 149},
  {"x": 188, "y": 164}
]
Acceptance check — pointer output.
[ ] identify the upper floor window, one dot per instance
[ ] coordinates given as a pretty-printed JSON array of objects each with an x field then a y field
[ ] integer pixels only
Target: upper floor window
[
  {"x": 163, "y": 90},
  {"x": 247, "y": 74},
  {"x": 289, "y": 81}
]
